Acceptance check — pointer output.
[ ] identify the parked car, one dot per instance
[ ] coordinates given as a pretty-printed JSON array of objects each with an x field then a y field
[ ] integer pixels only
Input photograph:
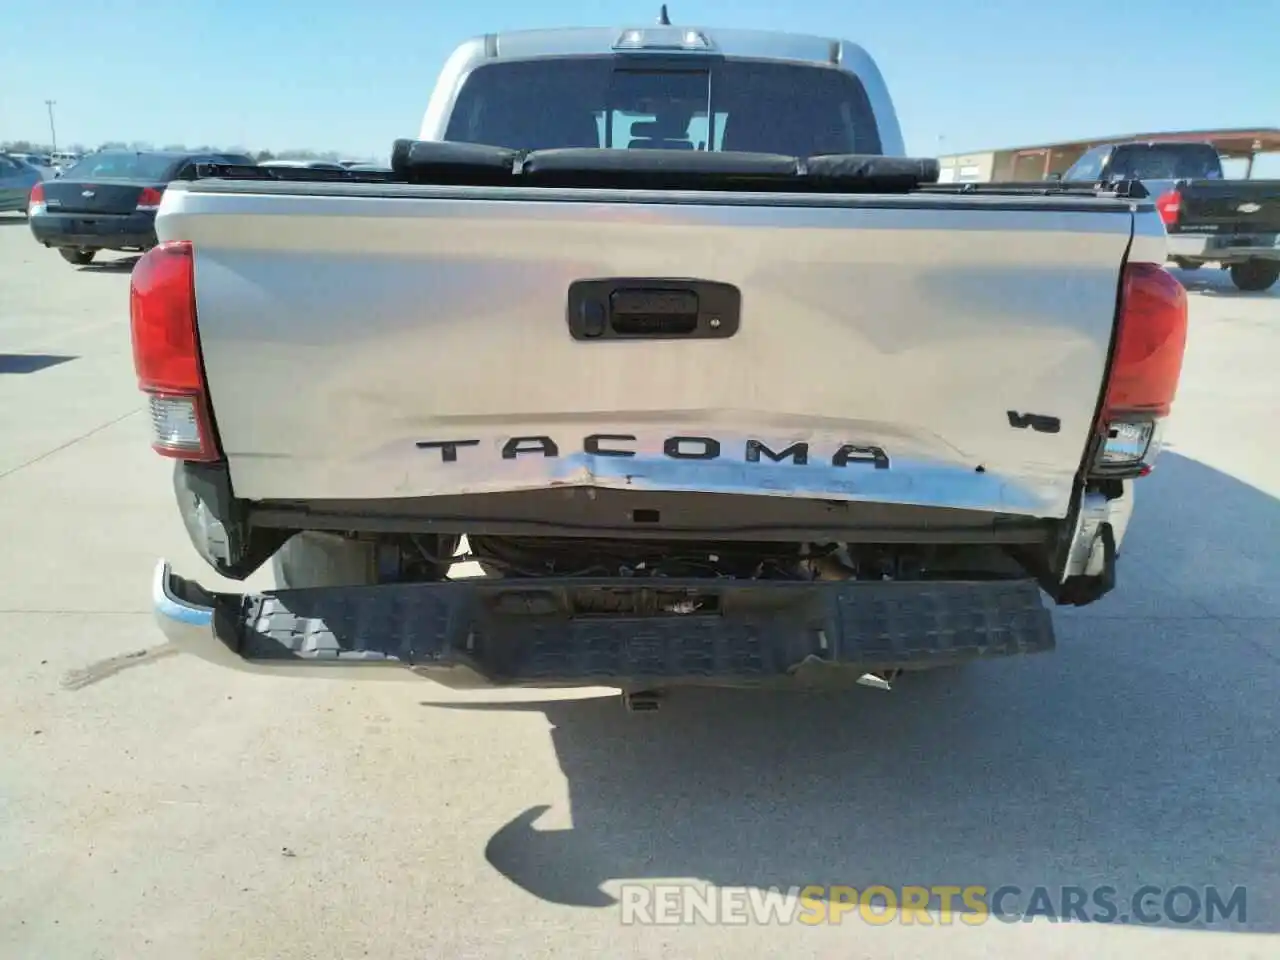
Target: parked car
[
  {"x": 776, "y": 409},
  {"x": 41, "y": 161},
  {"x": 108, "y": 201},
  {"x": 17, "y": 179},
  {"x": 1209, "y": 219}
]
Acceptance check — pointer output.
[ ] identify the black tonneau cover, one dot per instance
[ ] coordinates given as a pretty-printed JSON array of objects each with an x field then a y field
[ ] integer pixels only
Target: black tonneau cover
[
  {"x": 441, "y": 163},
  {"x": 472, "y": 164}
]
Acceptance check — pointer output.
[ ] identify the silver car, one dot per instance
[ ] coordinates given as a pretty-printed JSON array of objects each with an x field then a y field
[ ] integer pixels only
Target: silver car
[
  {"x": 17, "y": 178},
  {"x": 40, "y": 161}
]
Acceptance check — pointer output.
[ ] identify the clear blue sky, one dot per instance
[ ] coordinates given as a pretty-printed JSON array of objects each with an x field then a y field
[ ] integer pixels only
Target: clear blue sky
[{"x": 352, "y": 76}]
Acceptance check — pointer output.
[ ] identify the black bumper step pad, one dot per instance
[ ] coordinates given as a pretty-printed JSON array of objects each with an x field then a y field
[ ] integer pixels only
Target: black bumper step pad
[{"x": 548, "y": 632}]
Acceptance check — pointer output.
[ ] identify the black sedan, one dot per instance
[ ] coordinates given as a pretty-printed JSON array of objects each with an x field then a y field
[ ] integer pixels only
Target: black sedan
[{"x": 108, "y": 201}]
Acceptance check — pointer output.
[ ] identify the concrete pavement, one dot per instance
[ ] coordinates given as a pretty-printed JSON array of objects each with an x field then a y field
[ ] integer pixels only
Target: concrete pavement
[{"x": 152, "y": 806}]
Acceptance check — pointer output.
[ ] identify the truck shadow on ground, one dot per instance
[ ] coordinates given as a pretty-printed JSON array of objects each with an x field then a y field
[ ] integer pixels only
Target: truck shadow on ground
[
  {"x": 1143, "y": 751},
  {"x": 23, "y": 363}
]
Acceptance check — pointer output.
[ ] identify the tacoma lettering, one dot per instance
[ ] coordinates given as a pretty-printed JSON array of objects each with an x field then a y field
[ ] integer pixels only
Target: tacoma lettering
[
  {"x": 675, "y": 448},
  {"x": 518, "y": 445},
  {"x": 592, "y": 443},
  {"x": 850, "y": 453},
  {"x": 798, "y": 452},
  {"x": 448, "y": 448}
]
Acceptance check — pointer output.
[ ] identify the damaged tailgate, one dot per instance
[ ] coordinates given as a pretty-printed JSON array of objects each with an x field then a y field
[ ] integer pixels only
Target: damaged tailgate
[{"x": 373, "y": 341}]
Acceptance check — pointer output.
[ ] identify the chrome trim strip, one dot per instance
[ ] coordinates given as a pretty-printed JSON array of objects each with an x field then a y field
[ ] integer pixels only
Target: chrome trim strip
[{"x": 170, "y": 607}]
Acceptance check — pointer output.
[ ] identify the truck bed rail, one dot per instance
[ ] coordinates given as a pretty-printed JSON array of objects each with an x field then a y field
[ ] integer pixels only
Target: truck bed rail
[{"x": 466, "y": 164}]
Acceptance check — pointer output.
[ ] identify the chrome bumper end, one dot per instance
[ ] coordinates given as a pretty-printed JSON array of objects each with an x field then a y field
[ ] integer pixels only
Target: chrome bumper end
[{"x": 192, "y": 621}]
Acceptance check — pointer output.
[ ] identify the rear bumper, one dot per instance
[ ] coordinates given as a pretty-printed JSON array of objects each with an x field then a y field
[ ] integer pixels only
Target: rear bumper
[
  {"x": 1189, "y": 246},
  {"x": 577, "y": 632},
  {"x": 133, "y": 231}
]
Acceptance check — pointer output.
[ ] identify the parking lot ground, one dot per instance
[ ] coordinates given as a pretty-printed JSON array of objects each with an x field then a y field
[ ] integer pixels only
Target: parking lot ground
[{"x": 153, "y": 806}]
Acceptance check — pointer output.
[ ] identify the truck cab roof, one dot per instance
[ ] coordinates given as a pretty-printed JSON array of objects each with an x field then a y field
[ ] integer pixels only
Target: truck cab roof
[{"x": 602, "y": 41}]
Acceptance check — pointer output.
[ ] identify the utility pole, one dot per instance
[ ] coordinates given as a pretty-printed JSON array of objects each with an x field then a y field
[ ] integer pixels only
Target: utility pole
[{"x": 53, "y": 133}]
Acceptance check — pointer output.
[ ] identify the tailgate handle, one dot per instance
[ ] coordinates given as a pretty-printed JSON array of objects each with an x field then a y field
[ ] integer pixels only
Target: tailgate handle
[
  {"x": 652, "y": 309},
  {"x": 653, "y": 313}
]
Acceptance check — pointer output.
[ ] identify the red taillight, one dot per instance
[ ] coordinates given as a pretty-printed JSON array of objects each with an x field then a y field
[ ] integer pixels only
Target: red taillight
[
  {"x": 36, "y": 202},
  {"x": 1170, "y": 206},
  {"x": 1150, "y": 342},
  {"x": 149, "y": 198},
  {"x": 1151, "y": 337},
  {"x": 166, "y": 352}
]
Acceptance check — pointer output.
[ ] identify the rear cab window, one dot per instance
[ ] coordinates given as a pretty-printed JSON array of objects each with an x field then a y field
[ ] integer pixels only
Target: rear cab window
[
  {"x": 1089, "y": 166},
  {"x": 1166, "y": 161},
  {"x": 623, "y": 103},
  {"x": 123, "y": 166}
]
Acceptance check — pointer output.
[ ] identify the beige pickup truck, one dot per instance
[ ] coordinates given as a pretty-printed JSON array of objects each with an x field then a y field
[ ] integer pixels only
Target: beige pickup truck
[{"x": 718, "y": 385}]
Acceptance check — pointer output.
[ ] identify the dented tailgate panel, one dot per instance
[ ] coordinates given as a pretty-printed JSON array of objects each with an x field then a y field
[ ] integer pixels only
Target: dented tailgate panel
[{"x": 931, "y": 350}]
